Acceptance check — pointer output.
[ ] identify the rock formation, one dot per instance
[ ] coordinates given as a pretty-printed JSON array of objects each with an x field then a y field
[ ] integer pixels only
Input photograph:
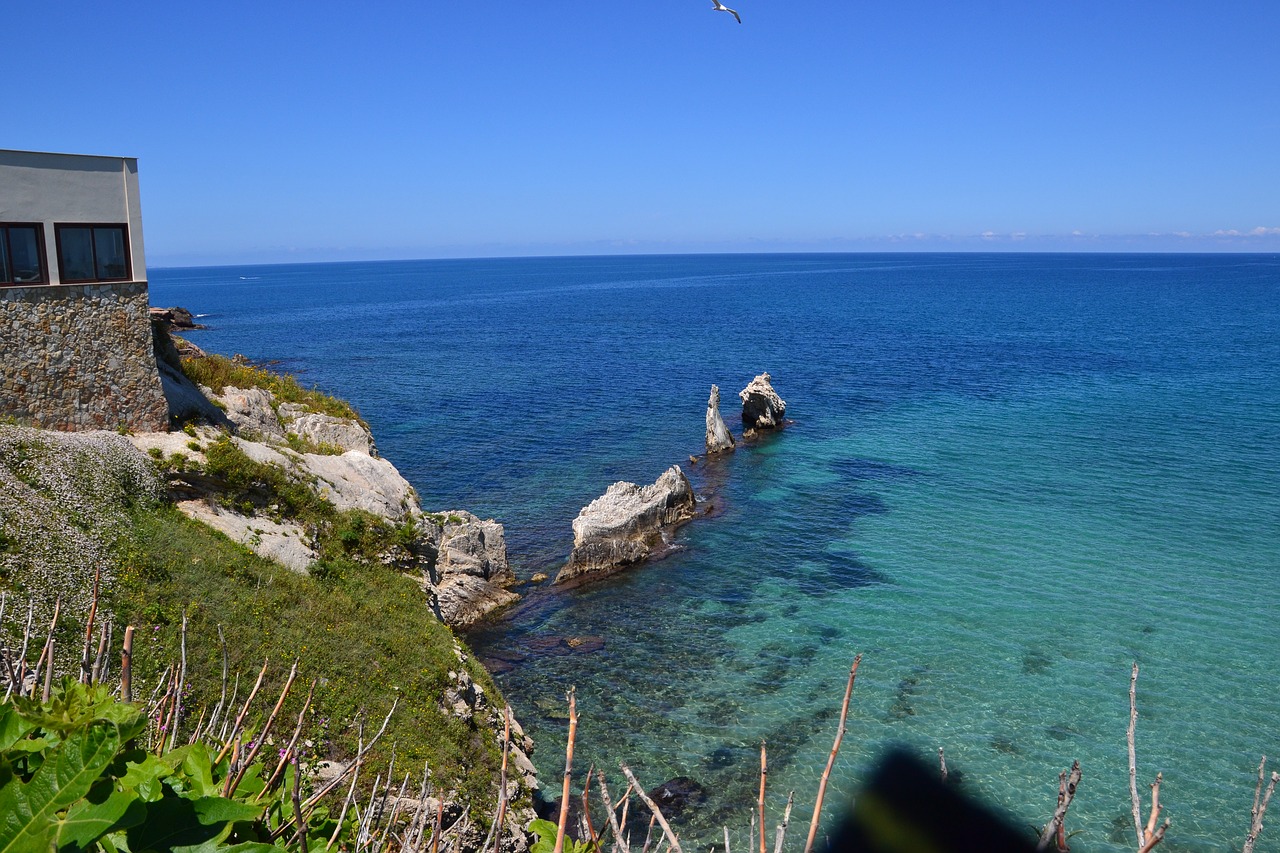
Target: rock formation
[
  {"x": 762, "y": 408},
  {"x": 470, "y": 575},
  {"x": 719, "y": 439},
  {"x": 461, "y": 558},
  {"x": 627, "y": 523}
]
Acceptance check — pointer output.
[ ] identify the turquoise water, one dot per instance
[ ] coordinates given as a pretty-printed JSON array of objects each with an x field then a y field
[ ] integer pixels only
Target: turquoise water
[{"x": 1009, "y": 478}]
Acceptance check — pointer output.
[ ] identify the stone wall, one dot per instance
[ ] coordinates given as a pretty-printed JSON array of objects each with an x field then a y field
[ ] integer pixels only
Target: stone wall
[{"x": 79, "y": 357}]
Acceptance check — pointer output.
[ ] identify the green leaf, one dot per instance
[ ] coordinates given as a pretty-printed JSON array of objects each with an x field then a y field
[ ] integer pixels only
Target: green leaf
[
  {"x": 87, "y": 821},
  {"x": 546, "y": 832},
  {"x": 194, "y": 762},
  {"x": 13, "y": 726},
  {"x": 187, "y": 826},
  {"x": 145, "y": 777},
  {"x": 28, "y": 811}
]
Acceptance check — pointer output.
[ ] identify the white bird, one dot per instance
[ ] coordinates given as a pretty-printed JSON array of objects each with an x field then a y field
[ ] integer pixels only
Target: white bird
[{"x": 720, "y": 7}]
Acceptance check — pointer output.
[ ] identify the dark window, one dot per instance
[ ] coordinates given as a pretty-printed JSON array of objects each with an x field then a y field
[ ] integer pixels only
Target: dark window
[
  {"x": 22, "y": 254},
  {"x": 93, "y": 252}
]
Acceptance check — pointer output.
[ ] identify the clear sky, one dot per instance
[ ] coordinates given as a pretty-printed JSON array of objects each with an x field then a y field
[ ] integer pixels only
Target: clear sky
[{"x": 278, "y": 130}]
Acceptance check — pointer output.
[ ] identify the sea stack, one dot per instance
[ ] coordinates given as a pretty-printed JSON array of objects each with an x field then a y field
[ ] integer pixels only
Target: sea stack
[
  {"x": 627, "y": 524},
  {"x": 762, "y": 408},
  {"x": 719, "y": 439}
]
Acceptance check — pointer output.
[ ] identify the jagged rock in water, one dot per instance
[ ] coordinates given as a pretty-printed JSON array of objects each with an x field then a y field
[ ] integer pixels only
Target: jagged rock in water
[
  {"x": 627, "y": 523},
  {"x": 471, "y": 570},
  {"x": 762, "y": 408},
  {"x": 719, "y": 439}
]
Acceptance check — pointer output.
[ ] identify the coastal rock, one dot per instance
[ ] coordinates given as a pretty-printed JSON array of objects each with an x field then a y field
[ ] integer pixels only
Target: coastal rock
[
  {"x": 356, "y": 480},
  {"x": 321, "y": 430},
  {"x": 762, "y": 408},
  {"x": 471, "y": 573},
  {"x": 249, "y": 409},
  {"x": 627, "y": 523},
  {"x": 175, "y": 318},
  {"x": 719, "y": 439},
  {"x": 283, "y": 542}
]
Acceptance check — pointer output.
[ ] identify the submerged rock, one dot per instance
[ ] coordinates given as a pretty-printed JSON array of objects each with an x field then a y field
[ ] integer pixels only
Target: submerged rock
[
  {"x": 627, "y": 523},
  {"x": 719, "y": 439},
  {"x": 762, "y": 408},
  {"x": 675, "y": 795}
]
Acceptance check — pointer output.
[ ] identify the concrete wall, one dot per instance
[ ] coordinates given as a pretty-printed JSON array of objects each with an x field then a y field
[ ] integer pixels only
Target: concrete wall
[
  {"x": 69, "y": 188},
  {"x": 78, "y": 357}
]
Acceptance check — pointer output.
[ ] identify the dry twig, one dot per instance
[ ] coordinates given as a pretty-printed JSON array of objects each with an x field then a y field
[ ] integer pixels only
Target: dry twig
[
  {"x": 568, "y": 772},
  {"x": 1260, "y": 801},
  {"x": 653, "y": 807},
  {"x": 831, "y": 760},
  {"x": 1067, "y": 783},
  {"x": 1149, "y": 835}
]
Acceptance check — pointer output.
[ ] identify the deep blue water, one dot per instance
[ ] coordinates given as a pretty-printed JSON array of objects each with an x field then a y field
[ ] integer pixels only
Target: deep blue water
[{"x": 1009, "y": 477}]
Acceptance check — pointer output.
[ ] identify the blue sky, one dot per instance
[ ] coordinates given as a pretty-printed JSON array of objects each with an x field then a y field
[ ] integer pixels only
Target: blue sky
[{"x": 289, "y": 131}]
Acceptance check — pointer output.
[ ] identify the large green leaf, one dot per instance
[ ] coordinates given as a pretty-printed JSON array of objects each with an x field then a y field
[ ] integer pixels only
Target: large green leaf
[
  {"x": 28, "y": 811},
  {"x": 146, "y": 777},
  {"x": 188, "y": 826},
  {"x": 13, "y": 726},
  {"x": 88, "y": 821}
]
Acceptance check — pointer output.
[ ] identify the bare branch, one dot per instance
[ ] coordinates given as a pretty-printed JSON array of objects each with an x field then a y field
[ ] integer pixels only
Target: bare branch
[
  {"x": 1133, "y": 755},
  {"x": 653, "y": 807},
  {"x": 831, "y": 760},
  {"x": 568, "y": 772},
  {"x": 1260, "y": 801},
  {"x": 1067, "y": 784}
]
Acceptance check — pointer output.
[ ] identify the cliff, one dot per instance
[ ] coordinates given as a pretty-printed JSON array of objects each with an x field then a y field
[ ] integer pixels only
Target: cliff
[{"x": 276, "y": 529}]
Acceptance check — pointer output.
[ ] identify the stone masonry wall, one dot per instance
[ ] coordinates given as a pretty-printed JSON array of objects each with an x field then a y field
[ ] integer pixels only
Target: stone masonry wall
[{"x": 79, "y": 357}]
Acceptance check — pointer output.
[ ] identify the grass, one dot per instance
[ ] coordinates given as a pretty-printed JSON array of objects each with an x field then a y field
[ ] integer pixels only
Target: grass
[
  {"x": 218, "y": 372},
  {"x": 364, "y": 632}
]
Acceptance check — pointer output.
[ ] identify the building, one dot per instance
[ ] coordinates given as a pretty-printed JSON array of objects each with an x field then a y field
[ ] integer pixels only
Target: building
[{"x": 76, "y": 349}]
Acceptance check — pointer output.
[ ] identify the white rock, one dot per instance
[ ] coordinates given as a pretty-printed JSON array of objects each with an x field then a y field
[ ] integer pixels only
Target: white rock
[
  {"x": 285, "y": 543},
  {"x": 762, "y": 408},
  {"x": 627, "y": 523},
  {"x": 719, "y": 439}
]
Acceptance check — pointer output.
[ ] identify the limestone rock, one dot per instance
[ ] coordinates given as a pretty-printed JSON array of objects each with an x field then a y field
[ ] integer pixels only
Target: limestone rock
[
  {"x": 356, "y": 480},
  {"x": 762, "y": 408},
  {"x": 719, "y": 439},
  {"x": 471, "y": 569},
  {"x": 471, "y": 546},
  {"x": 627, "y": 523},
  {"x": 250, "y": 410},
  {"x": 319, "y": 429},
  {"x": 283, "y": 542}
]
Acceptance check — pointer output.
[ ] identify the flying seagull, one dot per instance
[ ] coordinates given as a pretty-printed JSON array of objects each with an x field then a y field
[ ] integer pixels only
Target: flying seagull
[{"x": 720, "y": 7}]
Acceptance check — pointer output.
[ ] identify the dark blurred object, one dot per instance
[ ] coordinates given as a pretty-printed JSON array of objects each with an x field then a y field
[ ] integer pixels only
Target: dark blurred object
[{"x": 906, "y": 808}]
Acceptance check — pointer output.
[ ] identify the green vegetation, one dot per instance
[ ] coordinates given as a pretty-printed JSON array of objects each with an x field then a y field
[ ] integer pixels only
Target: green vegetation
[
  {"x": 218, "y": 372},
  {"x": 76, "y": 778},
  {"x": 364, "y": 632}
]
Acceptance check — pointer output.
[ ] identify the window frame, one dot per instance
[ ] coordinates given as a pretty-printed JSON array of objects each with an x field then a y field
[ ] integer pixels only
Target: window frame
[
  {"x": 93, "y": 247},
  {"x": 40, "y": 251}
]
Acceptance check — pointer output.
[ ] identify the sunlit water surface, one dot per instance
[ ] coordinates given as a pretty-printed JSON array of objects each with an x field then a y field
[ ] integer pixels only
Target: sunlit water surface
[{"x": 1009, "y": 477}]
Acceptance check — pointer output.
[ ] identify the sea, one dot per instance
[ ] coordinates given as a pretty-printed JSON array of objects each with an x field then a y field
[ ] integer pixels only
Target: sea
[{"x": 1006, "y": 480}]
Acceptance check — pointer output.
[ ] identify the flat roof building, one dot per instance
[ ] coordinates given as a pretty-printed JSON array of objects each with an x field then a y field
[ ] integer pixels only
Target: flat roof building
[{"x": 76, "y": 348}]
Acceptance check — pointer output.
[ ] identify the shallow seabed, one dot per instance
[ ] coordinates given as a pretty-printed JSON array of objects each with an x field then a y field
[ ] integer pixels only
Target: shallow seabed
[{"x": 1009, "y": 478}]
